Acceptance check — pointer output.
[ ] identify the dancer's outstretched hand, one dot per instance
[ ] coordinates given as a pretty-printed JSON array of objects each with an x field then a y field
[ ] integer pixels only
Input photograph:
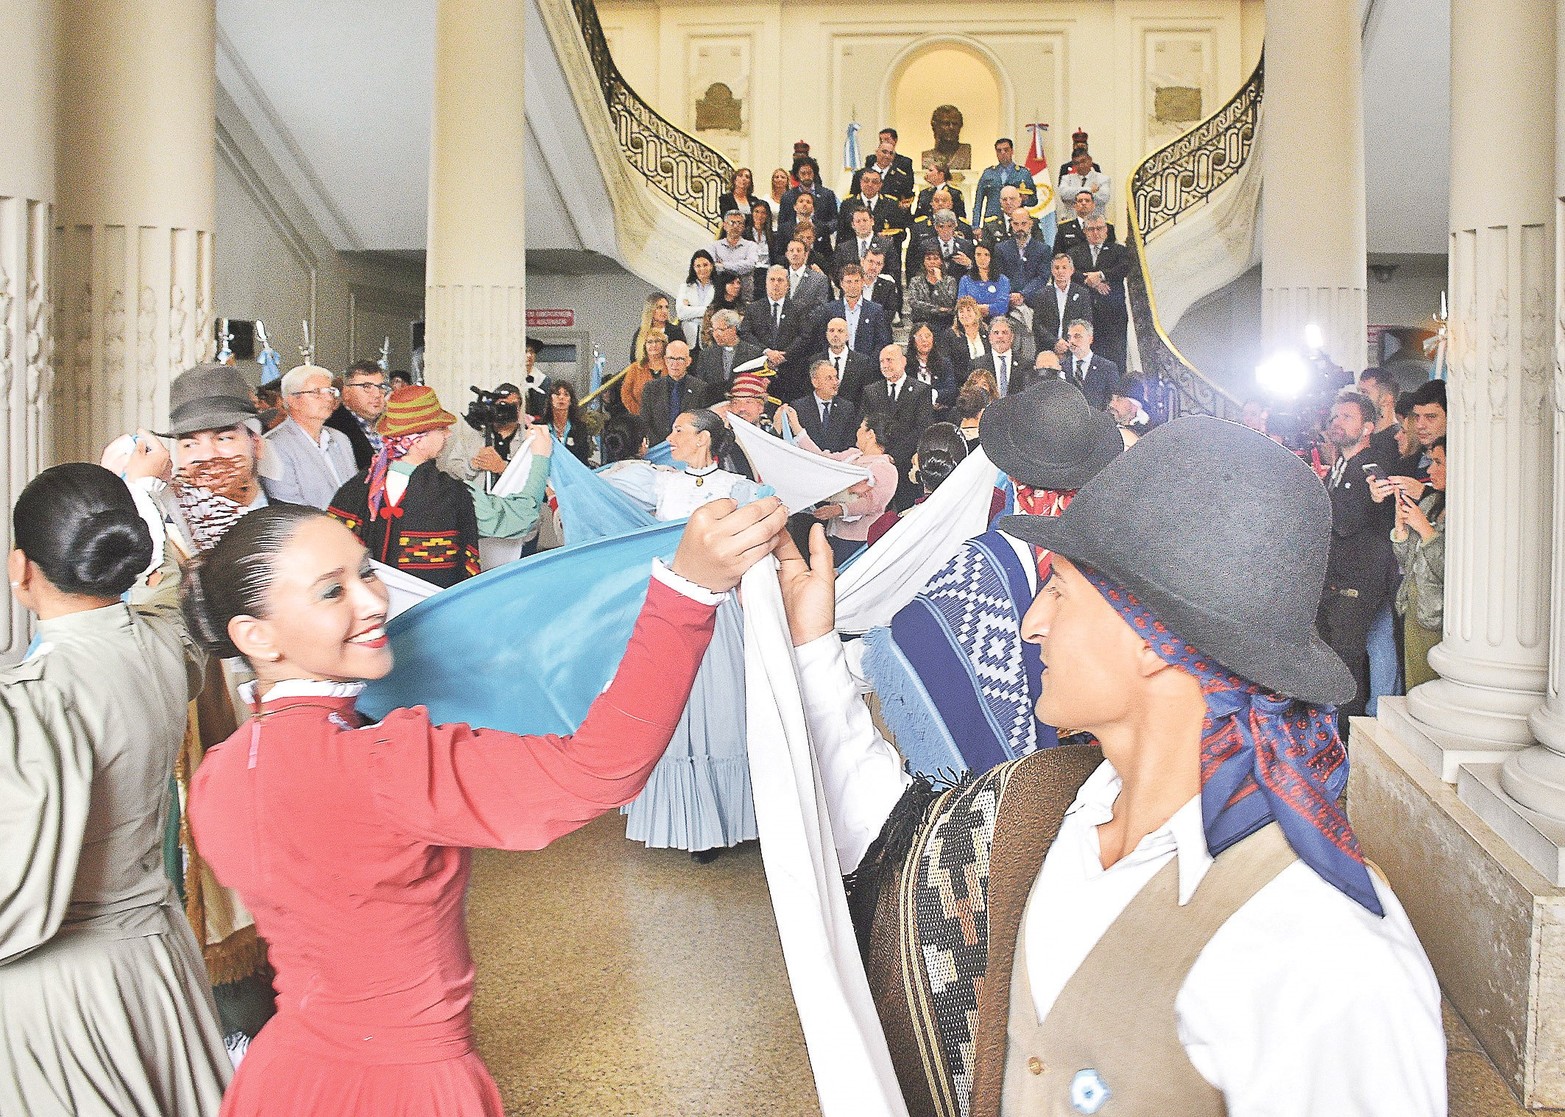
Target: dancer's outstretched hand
[
  {"x": 809, "y": 589},
  {"x": 723, "y": 540}
]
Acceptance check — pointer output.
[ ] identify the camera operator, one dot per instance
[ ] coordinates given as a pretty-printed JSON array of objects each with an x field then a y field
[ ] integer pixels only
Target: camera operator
[{"x": 498, "y": 416}]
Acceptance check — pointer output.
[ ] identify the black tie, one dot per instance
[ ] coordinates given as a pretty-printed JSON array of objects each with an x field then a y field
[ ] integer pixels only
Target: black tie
[
  {"x": 1081, "y": 371},
  {"x": 894, "y": 388},
  {"x": 678, "y": 389},
  {"x": 776, "y": 318},
  {"x": 838, "y": 362},
  {"x": 826, "y": 414}
]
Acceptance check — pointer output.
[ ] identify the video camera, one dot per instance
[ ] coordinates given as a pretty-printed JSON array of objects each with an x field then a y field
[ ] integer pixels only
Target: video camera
[{"x": 491, "y": 409}]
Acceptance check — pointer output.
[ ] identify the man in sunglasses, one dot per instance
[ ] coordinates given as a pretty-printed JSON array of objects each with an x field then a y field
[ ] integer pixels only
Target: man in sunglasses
[
  {"x": 365, "y": 387},
  {"x": 306, "y": 461}
]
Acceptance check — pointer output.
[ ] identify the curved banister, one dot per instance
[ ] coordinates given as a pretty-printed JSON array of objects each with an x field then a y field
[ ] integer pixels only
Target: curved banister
[
  {"x": 1174, "y": 180},
  {"x": 682, "y": 168}
]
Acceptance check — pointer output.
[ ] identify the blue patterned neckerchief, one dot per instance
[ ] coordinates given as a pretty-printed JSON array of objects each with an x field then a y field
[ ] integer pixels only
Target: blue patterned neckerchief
[{"x": 1264, "y": 758}]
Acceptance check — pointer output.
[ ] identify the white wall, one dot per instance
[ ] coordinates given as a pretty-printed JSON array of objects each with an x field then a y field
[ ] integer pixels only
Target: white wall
[
  {"x": 804, "y": 67},
  {"x": 273, "y": 263}
]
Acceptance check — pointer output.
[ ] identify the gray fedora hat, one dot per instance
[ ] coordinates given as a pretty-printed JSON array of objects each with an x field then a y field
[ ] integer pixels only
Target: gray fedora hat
[
  {"x": 206, "y": 398},
  {"x": 1223, "y": 534},
  {"x": 1049, "y": 437}
]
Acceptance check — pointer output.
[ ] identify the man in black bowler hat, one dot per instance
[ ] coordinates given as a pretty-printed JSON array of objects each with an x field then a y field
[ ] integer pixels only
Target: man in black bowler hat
[{"x": 1177, "y": 919}]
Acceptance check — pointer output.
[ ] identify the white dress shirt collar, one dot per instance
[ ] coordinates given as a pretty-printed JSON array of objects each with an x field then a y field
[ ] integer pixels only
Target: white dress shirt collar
[{"x": 1182, "y": 834}]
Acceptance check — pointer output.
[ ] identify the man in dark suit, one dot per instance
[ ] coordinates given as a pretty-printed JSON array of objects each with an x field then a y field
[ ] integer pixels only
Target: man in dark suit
[
  {"x": 911, "y": 408},
  {"x": 364, "y": 391},
  {"x": 948, "y": 238},
  {"x": 869, "y": 330},
  {"x": 939, "y": 178},
  {"x": 860, "y": 239},
  {"x": 882, "y": 290},
  {"x": 670, "y": 395},
  {"x": 1096, "y": 377},
  {"x": 829, "y": 420},
  {"x": 854, "y": 370},
  {"x": 1023, "y": 259},
  {"x": 1360, "y": 569},
  {"x": 1102, "y": 268},
  {"x": 776, "y": 323},
  {"x": 896, "y": 171},
  {"x": 802, "y": 215},
  {"x": 716, "y": 363},
  {"x": 1012, "y": 367},
  {"x": 1057, "y": 305},
  {"x": 807, "y": 173},
  {"x": 888, "y": 220},
  {"x": 1072, "y": 233}
]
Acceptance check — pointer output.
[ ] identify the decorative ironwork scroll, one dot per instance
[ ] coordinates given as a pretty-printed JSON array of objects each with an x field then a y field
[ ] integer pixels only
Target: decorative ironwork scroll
[
  {"x": 1171, "y": 182},
  {"x": 1182, "y": 176},
  {"x": 691, "y": 175}
]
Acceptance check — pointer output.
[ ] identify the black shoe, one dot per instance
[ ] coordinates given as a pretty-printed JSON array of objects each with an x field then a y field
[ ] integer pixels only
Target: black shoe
[{"x": 705, "y": 856}]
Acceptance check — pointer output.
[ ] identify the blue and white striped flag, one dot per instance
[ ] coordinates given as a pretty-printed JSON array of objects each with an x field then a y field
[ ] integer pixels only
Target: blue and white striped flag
[{"x": 850, "y": 148}]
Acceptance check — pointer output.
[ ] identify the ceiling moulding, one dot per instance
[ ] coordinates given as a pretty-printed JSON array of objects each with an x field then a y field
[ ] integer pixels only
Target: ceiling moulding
[{"x": 241, "y": 85}]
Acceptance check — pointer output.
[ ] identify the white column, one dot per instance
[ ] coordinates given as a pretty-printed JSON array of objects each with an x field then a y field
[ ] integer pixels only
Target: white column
[
  {"x": 1494, "y": 655},
  {"x": 27, "y": 191},
  {"x": 476, "y": 271},
  {"x": 1313, "y": 255},
  {"x": 136, "y": 212},
  {"x": 1535, "y": 777}
]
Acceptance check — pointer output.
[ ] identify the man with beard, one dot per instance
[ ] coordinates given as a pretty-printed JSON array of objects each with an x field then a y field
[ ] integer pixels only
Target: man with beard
[
  {"x": 217, "y": 450},
  {"x": 216, "y": 432}
]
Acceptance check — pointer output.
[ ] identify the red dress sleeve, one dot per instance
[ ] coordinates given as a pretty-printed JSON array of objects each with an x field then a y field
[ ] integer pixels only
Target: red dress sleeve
[{"x": 455, "y": 785}]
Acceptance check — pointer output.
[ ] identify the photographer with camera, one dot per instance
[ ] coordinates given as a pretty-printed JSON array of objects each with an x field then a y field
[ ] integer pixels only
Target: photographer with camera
[
  {"x": 1360, "y": 571},
  {"x": 418, "y": 519},
  {"x": 497, "y": 415}
]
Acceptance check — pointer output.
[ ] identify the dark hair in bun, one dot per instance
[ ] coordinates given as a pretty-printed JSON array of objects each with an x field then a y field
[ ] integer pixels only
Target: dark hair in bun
[
  {"x": 78, "y": 523},
  {"x": 233, "y": 578},
  {"x": 941, "y": 449},
  {"x": 705, "y": 419}
]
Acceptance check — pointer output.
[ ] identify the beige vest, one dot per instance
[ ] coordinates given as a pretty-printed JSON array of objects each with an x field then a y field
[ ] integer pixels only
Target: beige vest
[{"x": 1107, "y": 1032}]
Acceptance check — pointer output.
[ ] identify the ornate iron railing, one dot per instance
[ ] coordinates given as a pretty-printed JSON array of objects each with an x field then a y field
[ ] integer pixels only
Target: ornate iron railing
[
  {"x": 1178, "y": 178},
  {"x": 1167, "y": 184},
  {"x": 682, "y": 168}
]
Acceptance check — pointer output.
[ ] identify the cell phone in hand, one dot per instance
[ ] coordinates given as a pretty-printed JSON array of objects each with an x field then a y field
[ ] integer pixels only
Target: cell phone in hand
[{"x": 1373, "y": 471}]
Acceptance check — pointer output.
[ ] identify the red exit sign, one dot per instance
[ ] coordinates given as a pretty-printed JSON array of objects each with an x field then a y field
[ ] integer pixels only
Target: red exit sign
[{"x": 551, "y": 318}]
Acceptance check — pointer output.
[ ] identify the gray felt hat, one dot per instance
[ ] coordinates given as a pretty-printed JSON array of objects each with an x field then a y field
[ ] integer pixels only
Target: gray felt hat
[
  {"x": 1223, "y": 534},
  {"x": 1049, "y": 437},
  {"x": 206, "y": 398}
]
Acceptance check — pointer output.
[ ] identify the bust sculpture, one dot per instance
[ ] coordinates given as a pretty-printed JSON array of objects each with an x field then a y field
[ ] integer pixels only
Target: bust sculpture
[{"x": 946, "y": 124}]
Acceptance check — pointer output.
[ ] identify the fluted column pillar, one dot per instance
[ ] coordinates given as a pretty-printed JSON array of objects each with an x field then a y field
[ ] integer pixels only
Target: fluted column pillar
[
  {"x": 1494, "y": 655},
  {"x": 1313, "y": 255},
  {"x": 1535, "y": 777},
  {"x": 27, "y": 193},
  {"x": 133, "y": 281},
  {"x": 476, "y": 272}
]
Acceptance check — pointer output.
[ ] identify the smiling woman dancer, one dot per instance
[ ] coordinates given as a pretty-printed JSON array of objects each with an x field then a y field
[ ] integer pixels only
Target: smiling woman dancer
[{"x": 349, "y": 842}]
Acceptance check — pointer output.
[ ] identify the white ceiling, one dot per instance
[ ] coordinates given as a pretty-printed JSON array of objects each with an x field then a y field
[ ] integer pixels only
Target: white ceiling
[
  {"x": 1407, "y": 125},
  {"x": 340, "y": 92}
]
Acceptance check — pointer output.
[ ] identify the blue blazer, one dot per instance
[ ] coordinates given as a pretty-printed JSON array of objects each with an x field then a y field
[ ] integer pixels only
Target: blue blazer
[
  {"x": 1025, "y": 276},
  {"x": 874, "y": 332}
]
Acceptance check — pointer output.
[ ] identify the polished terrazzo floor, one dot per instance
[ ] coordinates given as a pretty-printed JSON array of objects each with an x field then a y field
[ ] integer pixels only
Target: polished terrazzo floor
[{"x": 617, "y": 980}]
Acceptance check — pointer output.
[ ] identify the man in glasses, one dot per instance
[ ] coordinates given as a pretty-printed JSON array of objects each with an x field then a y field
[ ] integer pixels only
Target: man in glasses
[
  {"x": 306, "y": 461},
  {"x": 364, "y": 390}
]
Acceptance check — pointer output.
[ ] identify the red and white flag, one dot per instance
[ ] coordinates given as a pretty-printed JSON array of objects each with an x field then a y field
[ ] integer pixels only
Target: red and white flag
[{"x": 1037, "y": 165}]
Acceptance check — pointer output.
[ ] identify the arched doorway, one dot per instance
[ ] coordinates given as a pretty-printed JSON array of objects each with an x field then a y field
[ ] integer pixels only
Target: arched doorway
[{"x": 956, "y": 72}]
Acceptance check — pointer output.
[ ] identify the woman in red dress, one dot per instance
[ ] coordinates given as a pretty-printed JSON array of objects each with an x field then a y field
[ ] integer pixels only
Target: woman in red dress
[{"x": 349, "y": 841}]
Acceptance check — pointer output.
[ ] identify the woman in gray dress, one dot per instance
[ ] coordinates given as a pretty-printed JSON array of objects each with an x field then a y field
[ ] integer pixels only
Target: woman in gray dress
[{"x": 104, "y": 1003}]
